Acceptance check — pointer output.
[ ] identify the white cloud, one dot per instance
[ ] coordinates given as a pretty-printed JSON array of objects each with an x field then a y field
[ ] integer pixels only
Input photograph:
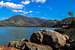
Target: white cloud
[
  {"x": 30, "y": 11},
  {"x": 26, "y": 12},
  {"x": 26, "y": 2},
  {"x": 17, "y": 10},
  {"x": 36, "y": 1},
  {"x": 44, "y": 17},
  {"x": 11, "y": 5},
  {"x": 21, "y": 11},
  {"x": 39, "y": 1}
]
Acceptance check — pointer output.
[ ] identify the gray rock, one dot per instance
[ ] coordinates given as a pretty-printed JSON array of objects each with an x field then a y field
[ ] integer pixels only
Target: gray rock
[
  {"x": 49, "y": 37},
  {"x": 30, "y": 46}
]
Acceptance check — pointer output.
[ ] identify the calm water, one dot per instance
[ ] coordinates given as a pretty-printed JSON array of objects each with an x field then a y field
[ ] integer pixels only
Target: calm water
[{"x": 14, "y": 33}]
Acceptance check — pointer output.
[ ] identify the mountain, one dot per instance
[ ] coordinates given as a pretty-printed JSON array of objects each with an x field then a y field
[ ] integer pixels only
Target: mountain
[{"x": 20, "y": 20}]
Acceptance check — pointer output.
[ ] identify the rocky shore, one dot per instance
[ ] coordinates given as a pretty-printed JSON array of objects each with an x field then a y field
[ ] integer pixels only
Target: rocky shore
[{"x": 44, "y": 40}]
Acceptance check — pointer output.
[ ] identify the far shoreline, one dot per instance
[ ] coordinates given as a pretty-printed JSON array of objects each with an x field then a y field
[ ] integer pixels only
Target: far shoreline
[{"x": 30, "y": 26}]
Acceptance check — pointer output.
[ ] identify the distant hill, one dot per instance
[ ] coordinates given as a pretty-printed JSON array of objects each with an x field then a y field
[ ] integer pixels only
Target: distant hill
[
  {"x": 69, "y": 19},
  {"x": 19, "y": 20}
]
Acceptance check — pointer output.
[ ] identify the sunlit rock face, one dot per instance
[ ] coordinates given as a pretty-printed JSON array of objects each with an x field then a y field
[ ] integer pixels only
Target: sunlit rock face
[{"x": 49, "y": 37}]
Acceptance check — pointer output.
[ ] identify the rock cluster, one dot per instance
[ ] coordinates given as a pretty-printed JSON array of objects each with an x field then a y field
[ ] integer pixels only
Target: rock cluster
[
  {"x": 27, "y": 45},
  {"x": 42, "y": 40}
]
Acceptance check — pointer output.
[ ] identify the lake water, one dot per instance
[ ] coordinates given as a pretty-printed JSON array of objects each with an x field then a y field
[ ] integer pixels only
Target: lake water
[{"x": 15, "y": 33}]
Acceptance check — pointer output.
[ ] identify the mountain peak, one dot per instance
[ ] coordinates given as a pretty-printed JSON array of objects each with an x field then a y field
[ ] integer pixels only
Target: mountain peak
[{"x": 17, "y": 18}]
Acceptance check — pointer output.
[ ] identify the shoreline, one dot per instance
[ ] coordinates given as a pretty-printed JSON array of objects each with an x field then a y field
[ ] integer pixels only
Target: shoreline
[
  {"x": 5, "y": 47},
  {"x": 30, "y": 26}
]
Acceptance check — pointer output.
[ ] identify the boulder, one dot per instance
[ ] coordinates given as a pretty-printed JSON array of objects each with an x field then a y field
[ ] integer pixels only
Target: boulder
[
  {"x": 36, "y": 37},
  {"x": 30, "y": 46},
  {"x": 49, "y": 37},
  {"x": 13, "y": 43},
  {"x": 33, "y": 46}
]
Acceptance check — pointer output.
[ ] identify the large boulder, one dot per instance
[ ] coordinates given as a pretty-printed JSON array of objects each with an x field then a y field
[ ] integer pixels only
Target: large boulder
[{"x": 49, "y": 37}]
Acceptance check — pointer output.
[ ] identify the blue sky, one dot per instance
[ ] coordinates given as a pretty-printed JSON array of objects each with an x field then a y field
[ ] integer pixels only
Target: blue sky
[{"x": 48, "y": 9}]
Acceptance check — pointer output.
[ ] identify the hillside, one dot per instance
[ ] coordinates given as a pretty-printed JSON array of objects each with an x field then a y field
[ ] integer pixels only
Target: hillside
[{"x": 20, "y": 20}]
